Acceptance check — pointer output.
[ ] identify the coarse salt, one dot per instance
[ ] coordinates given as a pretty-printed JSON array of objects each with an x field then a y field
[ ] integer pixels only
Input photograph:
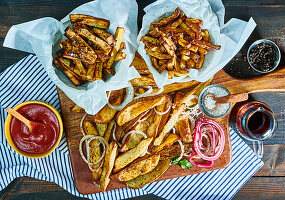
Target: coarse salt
[{"x": 210, "y": 103}]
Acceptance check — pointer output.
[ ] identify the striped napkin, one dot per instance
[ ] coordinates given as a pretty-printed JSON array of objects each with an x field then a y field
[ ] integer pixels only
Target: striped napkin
[{"x": 27, "y": 80}]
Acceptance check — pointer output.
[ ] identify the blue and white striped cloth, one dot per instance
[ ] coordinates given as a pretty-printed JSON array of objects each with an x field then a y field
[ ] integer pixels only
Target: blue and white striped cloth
[{"x": 27, "y": 80}]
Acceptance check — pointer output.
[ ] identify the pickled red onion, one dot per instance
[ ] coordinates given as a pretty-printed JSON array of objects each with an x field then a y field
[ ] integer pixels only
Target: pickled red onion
[{"x": 198, "y": 139}]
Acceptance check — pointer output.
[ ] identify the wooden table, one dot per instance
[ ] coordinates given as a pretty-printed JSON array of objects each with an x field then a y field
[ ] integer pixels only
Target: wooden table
[{"x": 267, "y": 183}]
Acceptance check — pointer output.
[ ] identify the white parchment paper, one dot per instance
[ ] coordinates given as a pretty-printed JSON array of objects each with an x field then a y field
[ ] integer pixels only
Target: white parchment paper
[
  {"x": 42, "y": 36},
  {"x": 230, "y": 36}
]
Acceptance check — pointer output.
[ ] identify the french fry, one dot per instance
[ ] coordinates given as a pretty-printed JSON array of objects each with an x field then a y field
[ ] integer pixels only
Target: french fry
[
  {"x": 74, "y": 78},
  {"x": 104, "y": 35},
  {"x": 85, "y": 32},
  {"x": 123, "y": 46},
  {"x": 200, "y": 62},
  {"x": 65, "y": 61},
  {"x": 193, "y": 48},
  {"x": 188, "y": 30},
  {"x": 206, "y": 45},
  {"x": 202, "y": 51},
  {"x": 179, "y": 73},
  {"x": 194, "y": 27},
  {"x": 162, "y": 68},
  {"x": 101, "y": 55},
  {"x": 206, "y": 36},
  {"x": 80, "y": 67},
  {"x": 197, "y": 22},
  {"x": 76, "y": 109},
  {"x": 120, "y": 56},
  {"x": 98, "y": 71},
  {"x": 154, "y": 63},
  {"x": 167, "y": 19},
  {"x": 90, "y": 21},
  {"x": 150, "y": 39},
  {"x": 153, "y": 33},
  {"x": 176, "y": 23},
  {"x": 152, "y": 130},
  {"x": 90, "y": 72},
  {"x": 110, "y": 71},
  {"x": 119, "y": 38},
  {"x": 182, "y": 64},
  {"x": 87, "y": 53},
  {"x": 158, "y": 54},
  {"x": 190, "y": 64}
]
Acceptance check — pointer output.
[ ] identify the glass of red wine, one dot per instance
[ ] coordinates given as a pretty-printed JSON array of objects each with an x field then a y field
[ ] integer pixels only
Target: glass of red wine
[{"x": 256, "y": 122}]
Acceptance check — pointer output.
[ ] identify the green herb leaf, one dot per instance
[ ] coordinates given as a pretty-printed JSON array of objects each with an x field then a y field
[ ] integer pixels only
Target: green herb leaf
[
  {"x": 185, "y": 164},
  {"x": 189, "y": 108}
]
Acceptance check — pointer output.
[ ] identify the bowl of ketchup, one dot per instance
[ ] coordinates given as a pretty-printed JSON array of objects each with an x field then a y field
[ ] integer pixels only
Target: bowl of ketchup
[{"x": 40, "y": 142}]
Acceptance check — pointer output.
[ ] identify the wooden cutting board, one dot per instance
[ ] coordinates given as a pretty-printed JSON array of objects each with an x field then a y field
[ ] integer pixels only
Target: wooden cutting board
[{"x": 82, "y": 175}]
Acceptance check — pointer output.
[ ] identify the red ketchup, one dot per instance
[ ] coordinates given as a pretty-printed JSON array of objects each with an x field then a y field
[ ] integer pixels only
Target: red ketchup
[{"x": 42, "y": 138}]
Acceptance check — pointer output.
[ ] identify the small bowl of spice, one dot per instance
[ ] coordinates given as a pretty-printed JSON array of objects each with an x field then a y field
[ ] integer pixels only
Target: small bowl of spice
[
  {"x": 263, "y": 56},
  {"x": 208, "y": 105}
]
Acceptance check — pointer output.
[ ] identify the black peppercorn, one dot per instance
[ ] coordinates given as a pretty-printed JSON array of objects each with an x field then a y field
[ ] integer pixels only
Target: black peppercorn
[{"x": 262, "y": 57}]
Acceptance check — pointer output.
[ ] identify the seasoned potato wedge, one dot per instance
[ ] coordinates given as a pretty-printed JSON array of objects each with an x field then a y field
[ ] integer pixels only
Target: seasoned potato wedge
[
  {"x": 153, "y": 128},
  {"x": 183, "y": 127},
  {"x": 137, "y": 169},
  {"x": 134, "y": 138},
  {"x": 76, "y": 109},
  {"x": 106, "y": 114},
  {"x": 128, "y": 157},
  {"x": 109, "y": 161},
  {"x": 138, "y": 106},
  {"x": 140, "y": 65},
  {"x": 142, "y": 180},
  {"x": 143, "y": 81},
  {"x": 187, "y": 101},
  {"x": 101, "y": 128},
  {"x": 167, "y": 143},
  {"x": 109, "y": 130},
  {"x": 89, "y": 128},
  {"x": 95, "y": 151}
]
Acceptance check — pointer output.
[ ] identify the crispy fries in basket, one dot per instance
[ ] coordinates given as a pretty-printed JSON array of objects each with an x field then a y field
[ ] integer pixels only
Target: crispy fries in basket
[
  {"x": 89, "y": 52},
  {"x": 180, "y": 42}
]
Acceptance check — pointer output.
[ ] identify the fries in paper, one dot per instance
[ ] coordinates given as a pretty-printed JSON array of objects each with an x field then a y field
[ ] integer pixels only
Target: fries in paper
[{"x": 177, "y": 43}]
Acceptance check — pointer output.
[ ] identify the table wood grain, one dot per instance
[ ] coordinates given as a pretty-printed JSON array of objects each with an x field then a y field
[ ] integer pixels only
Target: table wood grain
[{"x": 267, "y": 183}]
